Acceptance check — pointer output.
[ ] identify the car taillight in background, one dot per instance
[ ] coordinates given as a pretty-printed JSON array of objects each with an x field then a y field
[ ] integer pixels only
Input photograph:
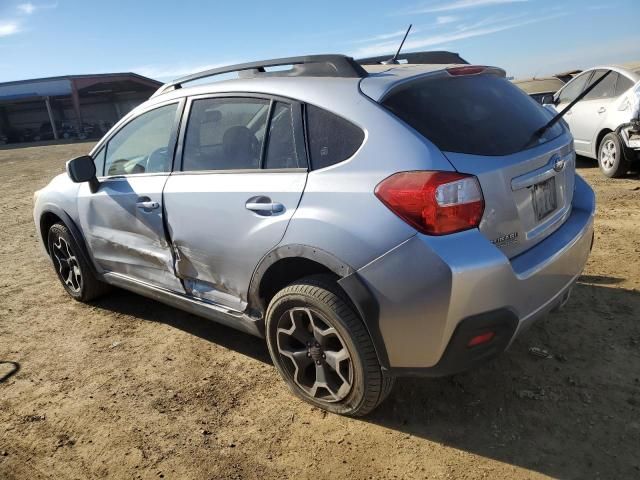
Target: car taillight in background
[{"x": 435, "y": 203}]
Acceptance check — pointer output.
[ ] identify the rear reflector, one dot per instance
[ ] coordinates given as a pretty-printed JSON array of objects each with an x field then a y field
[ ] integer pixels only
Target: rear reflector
[
  {"x": 467, "y": 70},
  {"x": 480, "y": 339},
  {"x": 435, "y": 203}
]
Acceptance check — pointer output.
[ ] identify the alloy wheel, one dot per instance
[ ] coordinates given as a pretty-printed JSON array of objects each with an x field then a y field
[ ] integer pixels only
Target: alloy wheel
[
  {"x": 314, "y": 354},
  {"x": 67, "y": 265},
  {"x": 608, "y": 155}
]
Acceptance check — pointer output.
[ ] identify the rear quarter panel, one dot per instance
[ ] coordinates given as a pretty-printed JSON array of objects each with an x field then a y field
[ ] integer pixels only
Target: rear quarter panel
[{"x": 339, "y": 211}]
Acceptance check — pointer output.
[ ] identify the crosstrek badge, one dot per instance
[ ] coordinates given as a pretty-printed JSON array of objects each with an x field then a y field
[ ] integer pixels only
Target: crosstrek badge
[{"x": 507, "y": 239}]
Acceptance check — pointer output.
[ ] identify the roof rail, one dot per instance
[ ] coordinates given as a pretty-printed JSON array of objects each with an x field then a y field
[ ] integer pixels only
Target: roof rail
[
  {"x": 418, "y": 58},
  {"x": 308, "y": 66}
]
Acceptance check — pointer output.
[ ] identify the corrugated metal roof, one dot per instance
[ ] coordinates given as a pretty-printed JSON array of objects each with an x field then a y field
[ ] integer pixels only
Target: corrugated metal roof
[
  {"x": 56, "y": 86},
  {"x": 540, "y": 85}
]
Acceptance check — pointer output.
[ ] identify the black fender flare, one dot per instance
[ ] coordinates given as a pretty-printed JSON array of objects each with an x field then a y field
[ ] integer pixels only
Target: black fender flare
[
  {"x": 359, "y": 294},
  {"x": 76, "y": 233}
]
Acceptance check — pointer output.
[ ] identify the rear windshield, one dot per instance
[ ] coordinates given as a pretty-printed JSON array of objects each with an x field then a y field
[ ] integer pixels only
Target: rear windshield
[{"x": 476, "y": 114}]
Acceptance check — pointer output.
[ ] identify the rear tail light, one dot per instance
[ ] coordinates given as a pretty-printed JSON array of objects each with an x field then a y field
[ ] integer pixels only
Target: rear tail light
[
  {"x": 435, "y": 203},
  {"x": 466, "y": 70}
]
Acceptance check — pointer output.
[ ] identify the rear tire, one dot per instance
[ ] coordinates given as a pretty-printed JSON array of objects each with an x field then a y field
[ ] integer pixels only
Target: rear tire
[
  {"x": 322, "y": 349},
  {"x": 612, "y": 157},
  {"x": 74, "y": 273}
]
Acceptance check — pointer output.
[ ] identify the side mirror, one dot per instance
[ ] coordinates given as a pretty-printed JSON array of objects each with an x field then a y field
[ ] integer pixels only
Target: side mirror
[
  {"x": 82, "y": 169},
  {"x": 548, "y": 99}
]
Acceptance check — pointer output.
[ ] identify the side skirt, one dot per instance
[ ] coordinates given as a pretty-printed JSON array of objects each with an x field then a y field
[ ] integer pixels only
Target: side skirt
[{"x": 208, "y": 310}]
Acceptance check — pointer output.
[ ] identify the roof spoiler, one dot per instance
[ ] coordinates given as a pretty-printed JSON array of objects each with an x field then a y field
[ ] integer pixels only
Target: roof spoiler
[
  {"x": 418, "y": 58},
  {"x": 309, "y": 65}
]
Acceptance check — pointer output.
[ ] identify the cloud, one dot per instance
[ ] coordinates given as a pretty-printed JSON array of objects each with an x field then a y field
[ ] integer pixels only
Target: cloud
[
  {"x": 9, "y": 28},
  {"x": 26, "y": 8},
  {"x": 29, "y": 8},
  {"x": 386, "y": 36},
  {"x": 443, "y": 20},
  {"x": 484, "y": 27},
  {"x": 459, "y": 5}
]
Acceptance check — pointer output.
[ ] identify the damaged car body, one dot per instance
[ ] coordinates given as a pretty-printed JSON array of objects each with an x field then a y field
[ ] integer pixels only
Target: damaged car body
[{"x": 329, "y": 209}]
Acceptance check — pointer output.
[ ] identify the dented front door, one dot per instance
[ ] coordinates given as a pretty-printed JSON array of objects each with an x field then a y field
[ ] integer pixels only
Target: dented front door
[{"x": 123, "y": 225}]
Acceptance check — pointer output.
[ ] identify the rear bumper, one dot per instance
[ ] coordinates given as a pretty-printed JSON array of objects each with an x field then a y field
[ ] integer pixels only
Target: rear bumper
[{"x": 432, "y": 291}]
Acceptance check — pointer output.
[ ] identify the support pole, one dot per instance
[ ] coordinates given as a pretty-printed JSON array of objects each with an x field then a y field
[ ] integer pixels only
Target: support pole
[
  {"x": 75, "y": 98},
  {"x": 47, "y": 102}
]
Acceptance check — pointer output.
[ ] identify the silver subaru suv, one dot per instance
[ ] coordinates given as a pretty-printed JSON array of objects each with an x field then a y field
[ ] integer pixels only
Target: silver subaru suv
[{"x": 369, "y": 224}]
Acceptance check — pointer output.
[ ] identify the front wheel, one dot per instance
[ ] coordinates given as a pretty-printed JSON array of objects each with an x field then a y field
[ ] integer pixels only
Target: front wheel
[
  {"x": 322, "y": 349},
  {"x": 611, "y": 156},
  {"x": 72, "y": 270}
]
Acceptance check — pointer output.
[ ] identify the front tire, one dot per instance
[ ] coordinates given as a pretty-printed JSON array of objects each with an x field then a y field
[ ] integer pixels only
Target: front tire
[
  {"x": 76, "y": 276},
  {"x": 322, "y": 349},
  {"x": 612, "y": 156}
]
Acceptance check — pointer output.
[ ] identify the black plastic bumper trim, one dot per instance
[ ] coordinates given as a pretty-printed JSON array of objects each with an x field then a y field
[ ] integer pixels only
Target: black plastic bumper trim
[{"x": 458, "y": 356}]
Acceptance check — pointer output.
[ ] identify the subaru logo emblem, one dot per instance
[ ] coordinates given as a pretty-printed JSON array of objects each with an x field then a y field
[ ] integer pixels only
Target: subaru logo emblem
[{"x": 558, "y": 164}]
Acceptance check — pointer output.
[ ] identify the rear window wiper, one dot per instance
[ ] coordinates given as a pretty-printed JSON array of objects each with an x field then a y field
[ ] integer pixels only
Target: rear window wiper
[{"x": 538, "y": 133}]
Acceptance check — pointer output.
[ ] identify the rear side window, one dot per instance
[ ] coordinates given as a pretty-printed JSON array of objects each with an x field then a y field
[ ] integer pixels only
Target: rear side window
[
  {"x": 605, "y": 89},
  {"x": 225, "y": 134},
  {"x": 623, "y": 85},
  {"x": 475, "y": 114},
  {"x": 331, "y": 139},
  {"x": 281, "y": 145}
]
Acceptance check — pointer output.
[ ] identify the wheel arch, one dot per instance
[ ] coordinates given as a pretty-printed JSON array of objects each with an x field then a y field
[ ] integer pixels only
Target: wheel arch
[
  {"x": 288, "y": 263},
  {"x": 599, "y": 137},
  {"x": 51, "y": 215}
]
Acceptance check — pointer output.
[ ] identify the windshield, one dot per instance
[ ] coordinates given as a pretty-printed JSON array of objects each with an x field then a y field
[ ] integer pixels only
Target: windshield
[{"x": 475, "y": 114}]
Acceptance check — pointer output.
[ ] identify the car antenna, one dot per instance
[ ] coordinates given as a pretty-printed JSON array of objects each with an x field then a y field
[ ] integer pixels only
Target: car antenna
[{"x": 394, "y": 60}]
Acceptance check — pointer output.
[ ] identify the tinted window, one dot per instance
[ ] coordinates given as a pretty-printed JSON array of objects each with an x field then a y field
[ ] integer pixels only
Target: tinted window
[
  {"x": 623, "y": 85},
  {"x": 605, "y": 89},
  {"x": 225, "y": 134},
  {"x": 281, "y": 146},
  {"x": 331, "y": 139},
  {"x": 477, "y": 114},
  {"x": 142, "y": 145},
  {"x": 574, "y": 88},
  {"x": 98, "y": 160}
]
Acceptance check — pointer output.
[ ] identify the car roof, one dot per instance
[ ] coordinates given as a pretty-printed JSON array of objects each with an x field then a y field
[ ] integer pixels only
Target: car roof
[
  {"x": 382, "y": 78},
  {"x": 539, "y": 85},
  {"x": 629, "y": 69}
]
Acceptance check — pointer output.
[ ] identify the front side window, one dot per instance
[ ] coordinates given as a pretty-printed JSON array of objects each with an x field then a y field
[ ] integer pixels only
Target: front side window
[
  {"x": 225, "y": 134},
  {"x": 142, "y": 145},
  {"x": 574, "y": 88},
  {"x": 605, "y": 89},
  {"x": 98, "y": 160}
]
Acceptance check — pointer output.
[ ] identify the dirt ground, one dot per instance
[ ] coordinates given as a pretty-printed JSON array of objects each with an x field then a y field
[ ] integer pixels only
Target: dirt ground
[{"x": 130, "y": 388}]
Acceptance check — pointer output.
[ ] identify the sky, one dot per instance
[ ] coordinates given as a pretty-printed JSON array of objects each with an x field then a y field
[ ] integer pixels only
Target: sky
[{"x": 167, "y": 39}]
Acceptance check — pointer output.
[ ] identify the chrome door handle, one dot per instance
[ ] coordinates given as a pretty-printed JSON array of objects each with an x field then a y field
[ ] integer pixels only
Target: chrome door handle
[
  {"x": 271, "y": 207},
  {"x": 602, "y": 110},
  {"x": 148, "y": 205}
]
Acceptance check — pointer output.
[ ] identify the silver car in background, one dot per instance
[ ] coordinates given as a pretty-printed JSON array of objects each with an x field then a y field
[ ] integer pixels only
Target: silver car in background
[
  {"x": 606, "y": 123},
  {"x": 405, "y": 220}
]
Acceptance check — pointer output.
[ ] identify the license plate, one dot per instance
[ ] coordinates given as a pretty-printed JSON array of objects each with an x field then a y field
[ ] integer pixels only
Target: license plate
[{"x": 544, "y": 198}]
